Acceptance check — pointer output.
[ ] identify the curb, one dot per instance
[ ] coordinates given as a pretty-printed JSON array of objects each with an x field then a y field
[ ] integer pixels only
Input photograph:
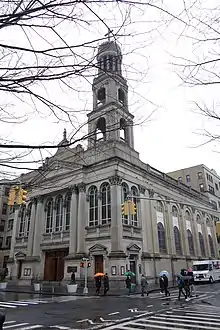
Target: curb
[{"x": 77, "y": 294}]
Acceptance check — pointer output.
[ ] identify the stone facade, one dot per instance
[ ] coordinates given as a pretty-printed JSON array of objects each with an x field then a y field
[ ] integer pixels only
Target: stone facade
[{"x": 74, "y": 209}]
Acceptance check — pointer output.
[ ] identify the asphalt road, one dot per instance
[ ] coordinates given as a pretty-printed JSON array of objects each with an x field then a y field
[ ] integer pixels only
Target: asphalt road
[{"x": 65, "y": 313}]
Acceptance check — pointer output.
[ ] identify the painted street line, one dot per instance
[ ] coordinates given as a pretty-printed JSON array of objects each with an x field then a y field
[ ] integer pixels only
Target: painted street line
[
  {"x": 114, "y": 313},
  {"x": 86, "y": 320}
]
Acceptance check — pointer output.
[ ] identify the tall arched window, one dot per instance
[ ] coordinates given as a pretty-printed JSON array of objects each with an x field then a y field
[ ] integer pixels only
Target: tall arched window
[
  {"x": 211, "y": 245},
  {"x": 134, "y": 218},
  {"x": 67, "y": 211},
  {"x": 202, "y": 244},
  {"x": 161, "y": 237},
  {"x": 49, "y": 216},
  {"x": 190, "y": 242},
  {"x": 93, "y": 206},
  {"x": 177, "y": 240},
  {"x": 124, "y": 195},
  {"x": 28, "y": 218},
  {"x": 22, "y": 221},
  {"x": 105, "y": 203},
  {"x": 59, "y": 214}
]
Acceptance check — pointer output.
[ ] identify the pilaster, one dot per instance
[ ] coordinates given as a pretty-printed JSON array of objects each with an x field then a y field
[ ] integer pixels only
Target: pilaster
[
  {"x": 171, "y": 249},
  {"x": 73, "y": 221},
  {"x": 81, "y": 218},
  {"x": 39, "y": 225},
  {"x": 206, "y": 240},
  {"x": 14, "y": 232},
  {"x": 196, "y": 234},
  {"x": 116, "y": 219},
  {"x": 31, "y": 229},
  {"x": 183, "y": 232},
  {"x": 153, "y": 235},
  {"x": 145, "y": 219}
]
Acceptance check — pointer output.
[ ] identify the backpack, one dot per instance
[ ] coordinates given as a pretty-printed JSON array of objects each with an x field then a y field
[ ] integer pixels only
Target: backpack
[{"x": 179, "y": 282}]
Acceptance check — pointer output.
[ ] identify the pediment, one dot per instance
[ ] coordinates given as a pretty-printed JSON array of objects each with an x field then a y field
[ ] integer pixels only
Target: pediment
[
  {"x": 20, "y": 255},
  {"x": 133, "y": 248},
  {"x": 98, "y": 248}
]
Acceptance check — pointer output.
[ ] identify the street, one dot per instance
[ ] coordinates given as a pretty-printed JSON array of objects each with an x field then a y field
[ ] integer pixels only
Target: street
[{"x": 122, "y": 312}]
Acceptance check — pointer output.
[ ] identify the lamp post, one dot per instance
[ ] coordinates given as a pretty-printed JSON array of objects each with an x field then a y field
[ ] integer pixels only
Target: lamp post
[{"x": 85, "y": 290}]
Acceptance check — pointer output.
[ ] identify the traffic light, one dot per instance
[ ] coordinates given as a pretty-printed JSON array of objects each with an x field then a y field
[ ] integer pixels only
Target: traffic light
[
  {"x": 11, "y": 197},
  {"x": 82, "y": 264},
  {"x": 124, "y": 208},
  {"x": 133, "y": 208},
  {"x": 21, "y": 196},
  {"x": 89, "y": 264}
]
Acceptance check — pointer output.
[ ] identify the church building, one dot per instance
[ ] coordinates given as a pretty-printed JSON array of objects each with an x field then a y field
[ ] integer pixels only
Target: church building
[{"x": 74, "y": 202}]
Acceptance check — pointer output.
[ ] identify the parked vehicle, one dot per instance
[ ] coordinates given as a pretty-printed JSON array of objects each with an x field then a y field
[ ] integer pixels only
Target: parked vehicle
[{"x": 206, "y": 270}]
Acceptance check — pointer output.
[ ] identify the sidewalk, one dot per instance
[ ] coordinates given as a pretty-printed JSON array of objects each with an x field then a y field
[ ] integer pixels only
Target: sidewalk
[{"x": 61, "y": 290}]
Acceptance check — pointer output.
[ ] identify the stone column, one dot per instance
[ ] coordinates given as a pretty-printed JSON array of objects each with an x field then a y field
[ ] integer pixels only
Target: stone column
[
  {"x": 14, "y": 232},
  {"x": 171, "y": 249},
  {"x": 81, "y": 221},
  {"x": 183, "y": 232},
  {"x": 116, "y": 218},
  {"x": 39, "y": 225},
  {"x": 144, "y": 219},
  {"x": 205, "y": 234},
  {"x": 73, "y": 221},
  {"x": 31, "y": 229},
  {"x": 195, "y": 235},
  {"x": 153, "y": 236}
]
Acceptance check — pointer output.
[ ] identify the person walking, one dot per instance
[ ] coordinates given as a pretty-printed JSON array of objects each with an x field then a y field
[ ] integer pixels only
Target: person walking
[
  {"x": 185, "y": 280},
  {"x": 192, "y": 290},
  {"x": 165, "y": 279},
  {"x": 98, "y": 283},
  {"x": 106, "y": 283},
  {"x": 128, "y": 284},
  {"x": 180, "y": 284},
  {"x": 161, "y": 284},
  {"x": 143, "y": 285}
]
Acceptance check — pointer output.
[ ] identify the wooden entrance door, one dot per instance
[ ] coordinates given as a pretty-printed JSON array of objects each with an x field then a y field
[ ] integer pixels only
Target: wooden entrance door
[
  {"x": 19, "y": 269},
  {"x": 99, "y": 264},
  {"x": 54, "y": 265}
]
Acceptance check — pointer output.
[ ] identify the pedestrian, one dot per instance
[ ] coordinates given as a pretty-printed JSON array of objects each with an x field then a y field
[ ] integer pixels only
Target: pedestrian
[
  {"x": 185, "y": 279},
  {"x": 98, "y": 283},
  {"x": 128, "y": 284},
  {"x": 106, "y": 283},
  {"x": 161, "y": 284},
  {"x": 180, "y": 284},
  {"x": 143, "y": 285},
  {"x": 167, "y": 293},
  {"x": 73, "y": 278},
  {"x": 192, "y": 289}
]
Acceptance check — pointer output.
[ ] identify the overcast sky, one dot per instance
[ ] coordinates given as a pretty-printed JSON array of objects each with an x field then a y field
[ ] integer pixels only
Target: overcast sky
[{"x": 168, "y": 128}]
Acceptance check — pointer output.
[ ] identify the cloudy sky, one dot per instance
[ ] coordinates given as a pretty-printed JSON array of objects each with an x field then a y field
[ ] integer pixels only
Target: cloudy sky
[{"x": 169, "y": 129}]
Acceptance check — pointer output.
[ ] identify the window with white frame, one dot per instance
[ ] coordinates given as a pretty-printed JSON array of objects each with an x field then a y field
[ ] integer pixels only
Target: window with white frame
[
  {"x": 59, "y": 213},
  {"x": 93, "y": 206},
  {"x": 67, "y": 212},
  {"x": 134, "y": 217},
  {"x": 105, "y": 203},
  {"x": 28, "y": 218},
  {"x": 124, "y": 195},
  {"x": 22, "y": 222},
  {"x": 49, "y": 216}
]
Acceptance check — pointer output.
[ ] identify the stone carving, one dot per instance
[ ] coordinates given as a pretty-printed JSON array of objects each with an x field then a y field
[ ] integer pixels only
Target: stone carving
[
  {"x": 82, "y": 187},
  {"x": 115, "y": 180},
  {"x": 151, "y": 193},
  {"x": 74, "y": 189},
  {"x": 142, "y": 189}
]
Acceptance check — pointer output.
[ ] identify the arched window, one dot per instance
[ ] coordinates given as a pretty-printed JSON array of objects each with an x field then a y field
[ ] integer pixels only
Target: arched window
[
  {"x": 67, "y": 212},
  {"x": 211, "y": 245},
  {"x": 22, "y": 221},
  {"x": 101, "y": 129},
  {"x": 202, "y": 244},
  {"x": 187, "y": 216},
  {"x": 106, "y": 203},
  {"x": 93, "y": 206},
  {"x": 49, "y": 216},
  {"x": 59, "y": 214},
  {"x": 101, "y": 96},
  {"x": 121, "y": 96},
  {"x": 28, "y": 218},
  {"x": 177, "y": 240},
  {"x": 134, "y": 217},
  {"x": 190, "y": 242},
  {"x": 161, "y": 237},
  {"x": 124, "y": 195},
  {"x": 123, "y": 130},
  {"x": 159, "y": 207},
  {"x": 174, "y": 211}
]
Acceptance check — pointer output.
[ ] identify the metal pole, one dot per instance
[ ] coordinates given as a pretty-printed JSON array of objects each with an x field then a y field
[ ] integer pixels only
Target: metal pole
[{"x": 85, "y": 290}]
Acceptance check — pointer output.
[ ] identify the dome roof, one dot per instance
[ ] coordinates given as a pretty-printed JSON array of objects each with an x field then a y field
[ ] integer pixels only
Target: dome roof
[{"x": 109, "y": 47}]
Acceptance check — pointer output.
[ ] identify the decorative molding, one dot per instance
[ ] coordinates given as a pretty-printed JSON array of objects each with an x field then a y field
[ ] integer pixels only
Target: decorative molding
[
  {"x": 151, "y": 193},
  {"x": 133, "y": 248},
  {"x": 33, "y": 200},
  {"x": 115, "y": 180},
  {"x": 142, "y": 189},
  {"x": 74, "y": 189},
  {"x": 81, "y": 187},
  {"x": 193, "y": 209}
]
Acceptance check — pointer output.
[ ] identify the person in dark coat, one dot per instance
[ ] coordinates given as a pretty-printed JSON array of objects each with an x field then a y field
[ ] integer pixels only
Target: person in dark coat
[
  {"x": 165, "y": 278},
  {"x": 106, "y": 283},
  {"x": 161, "y": 284},
  {"x": 180, "y": 284},
  {"x": 128, "y": 284},
  {"x": 98, "y": 283},
  {"x": 143, "y": 285}
]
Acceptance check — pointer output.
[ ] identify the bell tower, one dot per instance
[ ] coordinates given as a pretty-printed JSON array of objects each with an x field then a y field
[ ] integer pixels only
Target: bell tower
[{"x": 110, "y": 119}]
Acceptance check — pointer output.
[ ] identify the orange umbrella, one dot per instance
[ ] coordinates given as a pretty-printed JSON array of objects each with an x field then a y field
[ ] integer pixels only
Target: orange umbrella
[{"x": 99, "y": 274}]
